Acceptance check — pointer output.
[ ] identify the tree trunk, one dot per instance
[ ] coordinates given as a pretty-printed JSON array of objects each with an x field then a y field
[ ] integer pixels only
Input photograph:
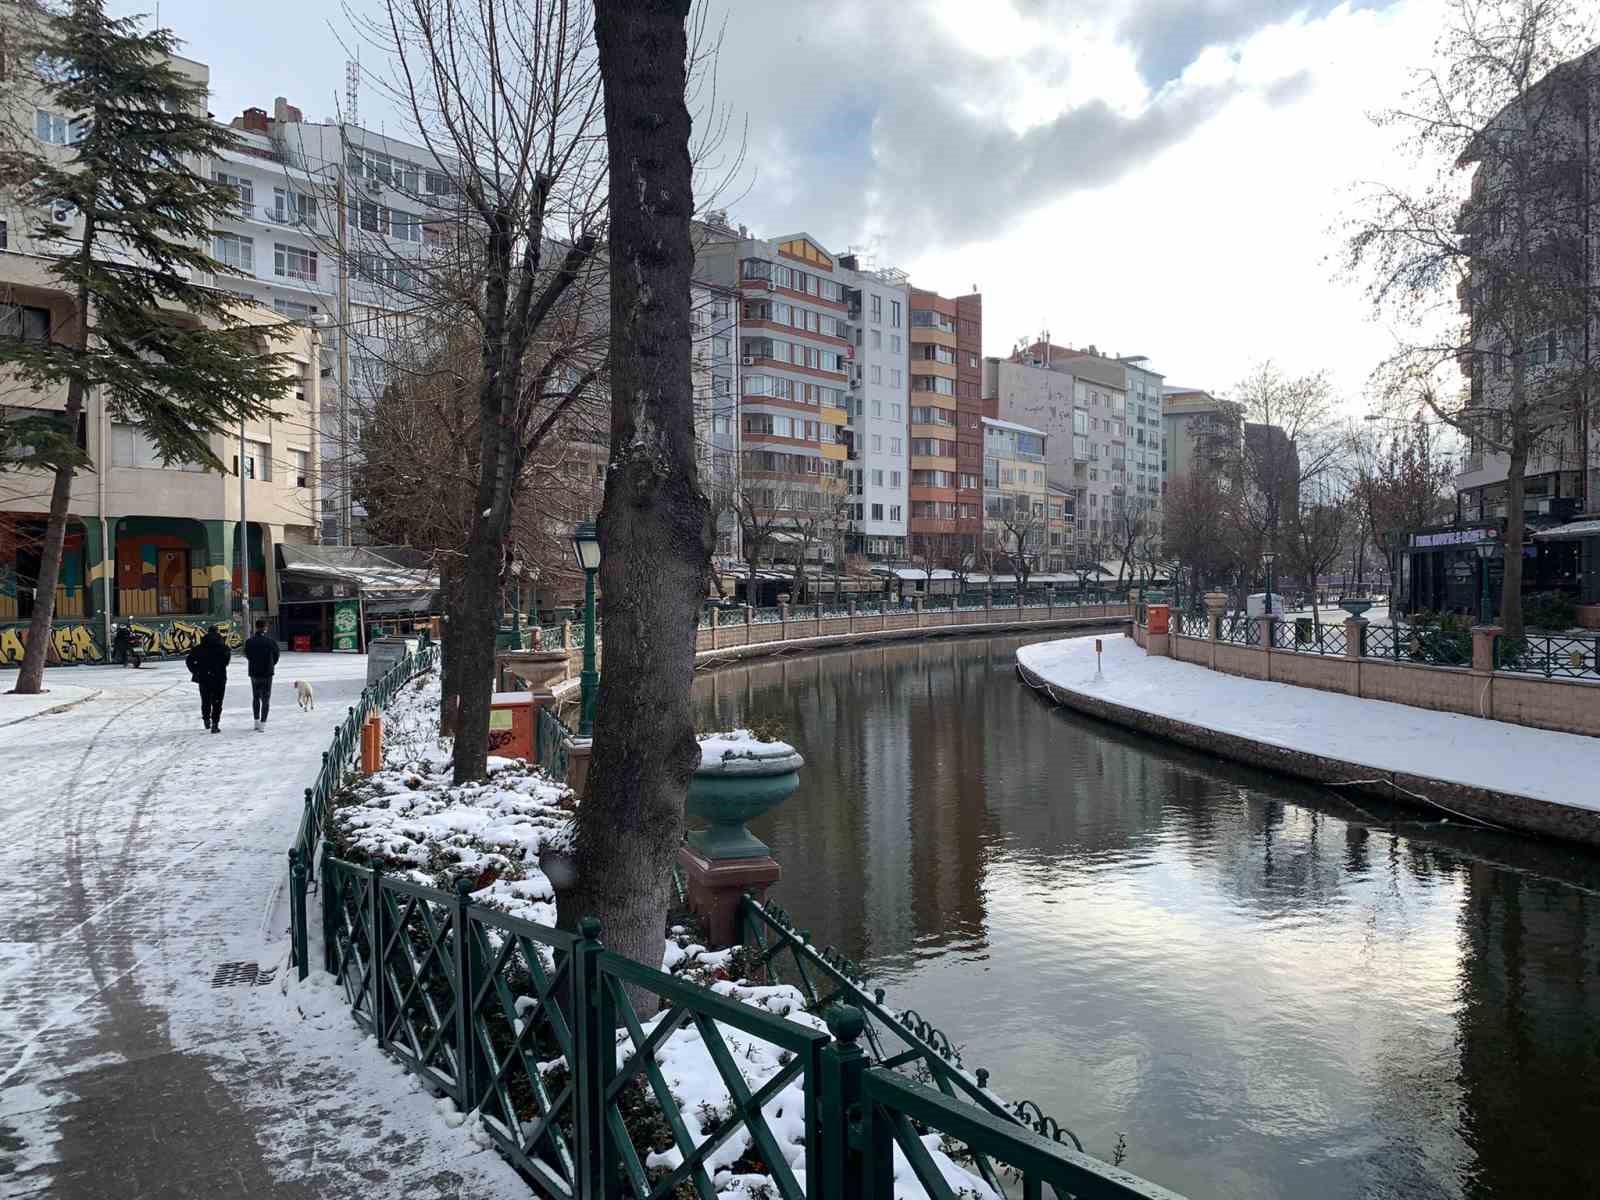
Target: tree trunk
[
  {"x": 30, "y": 679},
  {"x": 1511, "y": 584},
  {"x": 655, "y": 523},
  {"x": 451, "y": 592}
]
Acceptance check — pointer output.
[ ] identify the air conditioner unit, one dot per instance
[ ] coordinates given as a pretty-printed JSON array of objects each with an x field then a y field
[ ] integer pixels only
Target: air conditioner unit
[
  {"x": 375, "y": 186},
  {"x": 61, "y": 212},
  {"x": 748, "y": 360}
]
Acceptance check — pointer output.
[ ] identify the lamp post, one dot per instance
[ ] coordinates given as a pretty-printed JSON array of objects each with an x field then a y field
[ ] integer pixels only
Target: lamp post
[
  {"x": 586, "y": 550},
  {"x": 1267, "y": 559},
  {"x": 1486, "y": 553}
]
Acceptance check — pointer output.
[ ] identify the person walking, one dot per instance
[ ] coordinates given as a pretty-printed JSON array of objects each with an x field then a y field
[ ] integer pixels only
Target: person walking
[
  {"x": 208, "y": 667},
  {"x": 261, "y": 652}
]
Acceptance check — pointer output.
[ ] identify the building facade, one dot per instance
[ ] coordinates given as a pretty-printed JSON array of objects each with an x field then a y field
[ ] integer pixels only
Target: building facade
[
  {"x": 1015, "y": 496},
  {"x": 946, "y": 416},
  {"x": 331, "y": 222},
  {"x": 1200, "y": 432},
  {"x": 878, "y": 470},
  {"x": 167, "y": 546}
]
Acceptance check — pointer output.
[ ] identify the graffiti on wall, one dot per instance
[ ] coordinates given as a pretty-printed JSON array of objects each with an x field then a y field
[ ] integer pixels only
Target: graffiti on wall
[
  {"x": 69, "y": 644},
  {"x": 79, "y": 643}
]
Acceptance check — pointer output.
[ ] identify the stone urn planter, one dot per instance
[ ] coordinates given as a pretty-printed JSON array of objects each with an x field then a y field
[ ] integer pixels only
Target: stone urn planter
[
  {"x": 738, "y": 779},
  {"x": 1355, "y": 608}
]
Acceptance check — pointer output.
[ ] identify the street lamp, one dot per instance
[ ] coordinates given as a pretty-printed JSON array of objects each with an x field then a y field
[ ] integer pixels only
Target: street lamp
[
  {"x": 586, "y": 550},
  {"x": 1486, "y": 554},
  {"x": 1268, "y": 557}
]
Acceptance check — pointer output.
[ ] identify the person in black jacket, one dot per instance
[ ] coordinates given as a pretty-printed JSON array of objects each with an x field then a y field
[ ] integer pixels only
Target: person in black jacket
[
  {"x": 208, "y": 667},
  {"x": 261, "y": 652}
]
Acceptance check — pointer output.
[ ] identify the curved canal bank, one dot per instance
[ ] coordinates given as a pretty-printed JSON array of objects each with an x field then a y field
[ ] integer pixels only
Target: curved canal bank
[
  {"x": 1510, "y": 777},
  {"x": 1272, "y": 990}
]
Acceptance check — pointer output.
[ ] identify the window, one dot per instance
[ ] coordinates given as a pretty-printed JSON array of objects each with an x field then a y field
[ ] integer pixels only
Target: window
[
  {"x": 877, "y": 512},
  {"x": 877, "y": 377},
  {"x": 299, "y": 465},
  {"x": 877, "y": 339},
  {"x": 234, "y": 251},
  {"x": 894, "y": 479},
  {"x": 894, "y": 512},
  {"x": 894, "y": 315},
  {"x": 877, "y": 308},
  {"x": 245, "y": 189},
  {"x": 257, "y": 461},
  {"x": 877, "y": 408},
  {"x": 894, "y": 445},
  {"x": 294, "y": 262},
  {"x": 877, "y": 443},
  {"x": 894, "y": 343},
  {"x": 293, "y": 208},
  {"x": 25, "y": 323},
  {"x": 294, "y": 310},
  {"x": 57, "y": 129},
  {"x": 132, "y": 447}
]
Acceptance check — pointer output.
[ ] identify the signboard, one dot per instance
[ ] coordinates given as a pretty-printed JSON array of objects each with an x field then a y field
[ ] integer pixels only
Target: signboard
[
  {"x": 500, "y": 718},
  {"x": 346, "y": 626},
  {"x": 1452, "y": 537},
  {"x": 1462, "y": 571}
]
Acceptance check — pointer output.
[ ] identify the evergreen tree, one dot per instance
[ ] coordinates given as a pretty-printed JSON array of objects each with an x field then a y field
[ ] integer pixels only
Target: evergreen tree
[{"x": 164, "y": 351}]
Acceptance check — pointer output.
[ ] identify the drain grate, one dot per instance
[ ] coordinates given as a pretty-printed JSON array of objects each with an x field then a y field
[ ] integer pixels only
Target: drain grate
[{"x": 241, "y": 974}]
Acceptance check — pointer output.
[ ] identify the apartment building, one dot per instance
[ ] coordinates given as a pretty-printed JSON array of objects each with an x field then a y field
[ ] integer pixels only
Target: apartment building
[
  {"x": 946, "y": 374},
  {"x": 332, "y": 219},
  {"x": 1015, "y": 495},
  {"x": 1199, "y": 431},
  {"x": 822, "y": 392},
  {"x": 714, "y": 316},
  {"x": 1103, "y": 418},
  {"x": 1060, "y": 518},
  {"x": 157, "y": 543}
]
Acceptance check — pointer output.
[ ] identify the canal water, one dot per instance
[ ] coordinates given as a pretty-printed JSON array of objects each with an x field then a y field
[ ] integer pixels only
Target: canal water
[{"x": 1270, "y": 990}]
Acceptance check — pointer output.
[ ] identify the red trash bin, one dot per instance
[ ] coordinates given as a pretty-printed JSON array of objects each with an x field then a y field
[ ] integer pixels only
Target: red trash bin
[{"x": 511, "y": 725}]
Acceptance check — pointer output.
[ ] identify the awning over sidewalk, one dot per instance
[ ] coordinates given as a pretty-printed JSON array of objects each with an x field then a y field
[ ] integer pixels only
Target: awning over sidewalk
[{"x": 1573, "y": 531}]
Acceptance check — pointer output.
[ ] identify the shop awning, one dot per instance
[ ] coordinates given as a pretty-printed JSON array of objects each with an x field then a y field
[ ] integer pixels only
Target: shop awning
[{"x": 1571, "y": 532}]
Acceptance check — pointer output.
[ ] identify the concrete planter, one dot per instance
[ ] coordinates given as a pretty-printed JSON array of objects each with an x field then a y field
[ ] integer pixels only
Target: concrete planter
[{"x": 737, "y": 781}]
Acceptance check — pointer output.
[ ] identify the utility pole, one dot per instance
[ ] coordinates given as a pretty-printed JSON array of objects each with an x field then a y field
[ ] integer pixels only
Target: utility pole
[
  {"x": 344, "y": 361},
  {"x": 244, "y": 545}
]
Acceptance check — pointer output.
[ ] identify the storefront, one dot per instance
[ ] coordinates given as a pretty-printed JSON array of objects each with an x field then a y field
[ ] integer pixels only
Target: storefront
[
  {"x": 1453, "y": 569},
  {"x": 336, "y": 598}
]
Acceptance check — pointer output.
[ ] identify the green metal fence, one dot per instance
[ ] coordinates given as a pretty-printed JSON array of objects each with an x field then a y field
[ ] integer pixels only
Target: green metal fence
[
  {"x": 337, "y": 767},
  {"x": 1549, "y": 654}
]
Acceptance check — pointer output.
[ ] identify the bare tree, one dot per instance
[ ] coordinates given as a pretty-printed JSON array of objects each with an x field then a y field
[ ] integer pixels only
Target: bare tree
[
  {"x": 507, "y": 101},
  {"x": 1202, "y": 529},
  {"x": 655, "y": 525},
  {"x": 1289, "y": 442},
  {"x": 1494, "y": 279},
  {"x": 1397, "y": 481},
  {"x": 1022, "y": 532},
  {"x": 1315, "y": 541}
]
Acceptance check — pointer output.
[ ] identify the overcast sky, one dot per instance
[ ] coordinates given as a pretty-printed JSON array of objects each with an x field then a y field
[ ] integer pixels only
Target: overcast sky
[{"x": 1161, "y": 177}]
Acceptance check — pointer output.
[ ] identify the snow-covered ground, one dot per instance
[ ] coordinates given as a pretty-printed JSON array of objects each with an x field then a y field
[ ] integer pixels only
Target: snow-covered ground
[
  {"x": 1558, "y": 767},
  {"x": 138, "y": 853}
]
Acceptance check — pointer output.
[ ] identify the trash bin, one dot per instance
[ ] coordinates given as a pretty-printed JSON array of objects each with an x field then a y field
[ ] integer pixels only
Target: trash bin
[
  {"x": 511, "y": 725},
  {"x": 1304, "y": 632}
]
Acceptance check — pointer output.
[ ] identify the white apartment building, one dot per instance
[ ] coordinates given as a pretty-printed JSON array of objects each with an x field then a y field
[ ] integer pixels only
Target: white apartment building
[
  {"x": 291, "y": 176},
  {"x": 879, "y": 410}
]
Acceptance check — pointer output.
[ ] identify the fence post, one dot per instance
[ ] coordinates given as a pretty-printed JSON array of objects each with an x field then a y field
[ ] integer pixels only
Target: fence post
[
  {"x": 297, "y": 911},
  {"x": 1355, "y": 637},
  {"x": 714, "y": 623},
  {"x": 594, "y": 1048},
  {"x": 376, "y": 989},
  {"x": 839, "y": 1105},
  {"x": 466, "y": 988}
]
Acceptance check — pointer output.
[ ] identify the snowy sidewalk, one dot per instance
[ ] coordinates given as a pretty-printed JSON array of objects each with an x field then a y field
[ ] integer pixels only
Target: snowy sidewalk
[
  {"x": 138, "y": 854},
  {"x": 1555, "y": 767}
]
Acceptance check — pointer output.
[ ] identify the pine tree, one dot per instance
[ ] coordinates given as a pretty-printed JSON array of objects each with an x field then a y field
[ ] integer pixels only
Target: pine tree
[{"x": 164, "y": 351}]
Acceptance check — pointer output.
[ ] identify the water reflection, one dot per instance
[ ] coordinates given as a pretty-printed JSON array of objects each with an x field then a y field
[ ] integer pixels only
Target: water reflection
[{"x": 1273, "y": 991}]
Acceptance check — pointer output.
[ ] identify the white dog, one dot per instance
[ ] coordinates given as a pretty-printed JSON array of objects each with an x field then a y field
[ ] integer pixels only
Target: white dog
[{"x": 303, "y": 695}]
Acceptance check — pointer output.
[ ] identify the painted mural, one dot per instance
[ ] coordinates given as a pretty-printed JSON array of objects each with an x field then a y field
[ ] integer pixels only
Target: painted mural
[{"x": 81, "y": 643}]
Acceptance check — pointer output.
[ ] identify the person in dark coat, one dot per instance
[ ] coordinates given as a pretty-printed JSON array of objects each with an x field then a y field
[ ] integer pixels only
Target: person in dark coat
[
  {"x": 120, "y": 644},
  {"x": 261, "y": 652},
  {"x": 208, "y": 667}
]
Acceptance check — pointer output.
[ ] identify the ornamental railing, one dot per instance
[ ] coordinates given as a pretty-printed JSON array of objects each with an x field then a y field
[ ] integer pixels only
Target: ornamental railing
[
  {"x": 895, "y": 1041},
  {"x": 542, "y": 1032},
  {"x": 554, "y": 739},
  {"x": 1549, "y": 654},
  {"x": 338, "y": 766}
]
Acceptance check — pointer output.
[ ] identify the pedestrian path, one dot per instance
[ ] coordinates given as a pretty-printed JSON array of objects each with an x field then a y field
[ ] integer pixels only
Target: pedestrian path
[
  {"x": 141, "y": 888},
  {"x": 1517, "y": 760}
]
